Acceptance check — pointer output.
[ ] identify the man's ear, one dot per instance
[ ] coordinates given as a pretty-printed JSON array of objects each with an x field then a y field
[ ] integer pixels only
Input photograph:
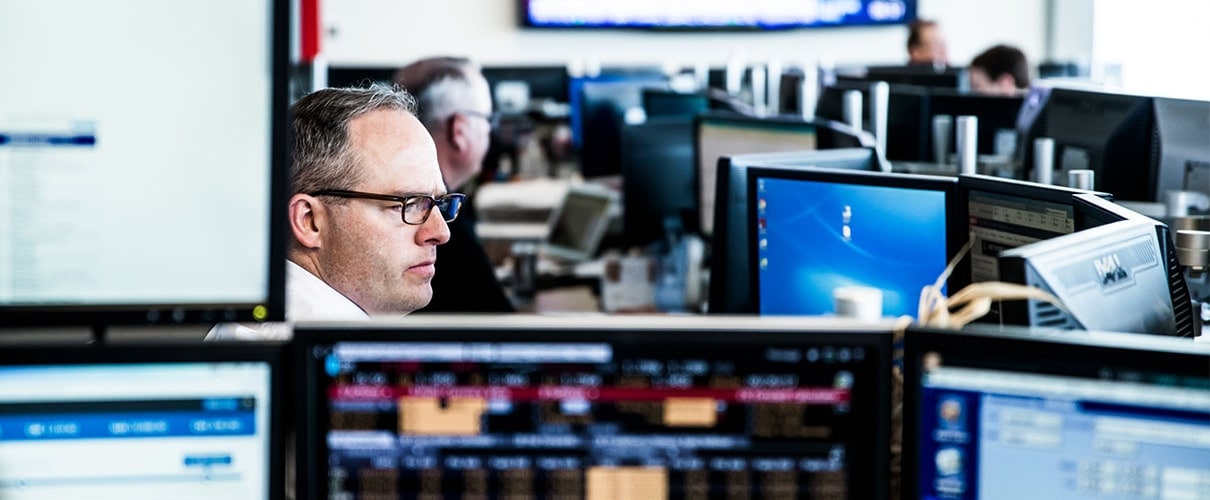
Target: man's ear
[
  {"x": 459, "y": 132},
  {"x": 307, "y": 218}
]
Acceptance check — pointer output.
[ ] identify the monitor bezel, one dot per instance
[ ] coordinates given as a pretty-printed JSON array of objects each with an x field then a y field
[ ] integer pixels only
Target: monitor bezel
[
  {"x": 944, "y": 184},
  {"x": 1031, "y": 348},
  {"x": 631, "y": 330},
  {"x": 272, "y": 307},
  {"x": 273, "y": 353}
]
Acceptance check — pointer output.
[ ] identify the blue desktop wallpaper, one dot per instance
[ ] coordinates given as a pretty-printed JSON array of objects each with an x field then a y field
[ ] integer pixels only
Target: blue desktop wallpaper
[{"x": 813, "y": 237}]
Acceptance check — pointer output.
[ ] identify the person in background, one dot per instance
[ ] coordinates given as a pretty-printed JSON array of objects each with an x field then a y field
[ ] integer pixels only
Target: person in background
[
  {"x": 1000, "y": 70},
  {"x": 926, "y": 44},
  {"x": 367, "y": 211},
  {"x": 455, "y": 105}
]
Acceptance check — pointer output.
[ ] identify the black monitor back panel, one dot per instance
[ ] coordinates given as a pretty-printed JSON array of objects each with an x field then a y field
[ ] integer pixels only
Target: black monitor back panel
[
  {"x": 544, "y": 82},
  {"x": 1110, "y": 134},
  {"x": 907, "y": 123},
  {"x": 360, "y": 76},
  {"x": 659, "y": 178},
  {"x": 994, "y": 113}
]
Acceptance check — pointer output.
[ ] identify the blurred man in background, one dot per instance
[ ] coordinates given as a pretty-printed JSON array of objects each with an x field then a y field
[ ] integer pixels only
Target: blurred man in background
[{"x": 455, "y": 105}]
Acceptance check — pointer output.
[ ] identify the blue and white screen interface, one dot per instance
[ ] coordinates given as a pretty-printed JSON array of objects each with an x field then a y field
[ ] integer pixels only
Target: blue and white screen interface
[
  {"x": 162, "y": 430},
  {"x": 998, "y": 434},
  {"x": 813, "y": 237}
]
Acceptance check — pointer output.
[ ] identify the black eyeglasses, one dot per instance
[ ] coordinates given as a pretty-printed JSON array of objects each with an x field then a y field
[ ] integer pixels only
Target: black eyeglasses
[
  {"x": 416, "y": 208},
  {"x": 493, "y": 119}
]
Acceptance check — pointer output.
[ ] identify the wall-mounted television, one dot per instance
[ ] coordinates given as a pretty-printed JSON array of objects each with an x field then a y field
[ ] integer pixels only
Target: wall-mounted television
[{"x": 713, "y": 14}]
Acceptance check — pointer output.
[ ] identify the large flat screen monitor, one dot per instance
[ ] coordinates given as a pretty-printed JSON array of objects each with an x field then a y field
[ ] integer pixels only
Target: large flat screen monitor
[
  {"x": 812, "y": 231},
  {"x": 361, "y": 76},
  {"x": 1182, "y": 150},
  {"x": 730, "y": 280},
  {"x": 122, "y": 421},
  {"x": 696, "y": 15},
  {"x": 613, "y": 99},
  {"x": 548, "y": 83},
  {"x": 142, "y": 161},
  {"x": 996, "y": 115},
  {"x": 642, "y": 407},
  {"x": 906, "y": 110},
  {"x": 1012, "y": 414},
  {"x": 925, "y": 75},
  {"x": 659, "y": 179},
  {"x": 1108, "y": 133},
  {"x": 719, "y": 135}
]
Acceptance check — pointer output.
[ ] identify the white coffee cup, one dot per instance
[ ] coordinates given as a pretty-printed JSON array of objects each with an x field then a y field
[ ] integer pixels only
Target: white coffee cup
[{"x": 861, "y": 302}]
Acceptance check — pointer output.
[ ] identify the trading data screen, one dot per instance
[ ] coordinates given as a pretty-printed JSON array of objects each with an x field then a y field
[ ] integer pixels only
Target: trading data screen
[
  {"x": 661, "y": 418},
  {"x": 1000, "y": 221}
]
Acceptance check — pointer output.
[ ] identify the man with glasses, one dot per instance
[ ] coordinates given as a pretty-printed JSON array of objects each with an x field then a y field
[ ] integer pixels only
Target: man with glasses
[
  {"x": 455, "y": 105},
  {"x": 367, "y": 212}
]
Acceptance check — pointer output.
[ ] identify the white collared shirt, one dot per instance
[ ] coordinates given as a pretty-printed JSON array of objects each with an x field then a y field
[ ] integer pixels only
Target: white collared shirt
[{"x": 308, "y": 298}]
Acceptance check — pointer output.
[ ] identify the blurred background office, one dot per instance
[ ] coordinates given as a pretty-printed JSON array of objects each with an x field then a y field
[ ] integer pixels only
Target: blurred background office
[{"x": 1142, "y": 46}]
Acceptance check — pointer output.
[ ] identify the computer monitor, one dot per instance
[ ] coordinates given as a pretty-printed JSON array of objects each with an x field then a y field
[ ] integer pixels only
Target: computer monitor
[
  {"x": 812, "y": 231},
  {"x": 1108, "y": 133},
  {"x": 662, "y": 103},
  {"x": 1182, "y": 150},
  {"x": 720, "y": 134},
  {"x": 143, "y": 163},
  {"x": 659, "y": 178},
  {"x": 730, "y": 282},
  {"x": 639, "y": 407},
  {"x": 950, "y": 77},
  {"x": 141, "y": 421},
  {"x": 1002, "y": 213},
  {"x": 603, "y": 111},
  {"x": 360, "y": 76},
  {"x": 577, "y": 225},
  {"x": 997, "y": 120},
  {"x": 1011, "y": 413},
  {"x": 575, "y": 97},
  {"x": 1094, "y": 211},
  {"x": 906, "y": 110},
  {"x": 543, "y": 82},
  {"x": 1112, "y": 277}
]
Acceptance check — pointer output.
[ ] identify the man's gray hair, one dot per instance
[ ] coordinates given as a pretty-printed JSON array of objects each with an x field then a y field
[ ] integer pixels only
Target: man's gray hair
[
  {"x": 441, "y": 86},
  {"x": 321, "y": 156}
]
